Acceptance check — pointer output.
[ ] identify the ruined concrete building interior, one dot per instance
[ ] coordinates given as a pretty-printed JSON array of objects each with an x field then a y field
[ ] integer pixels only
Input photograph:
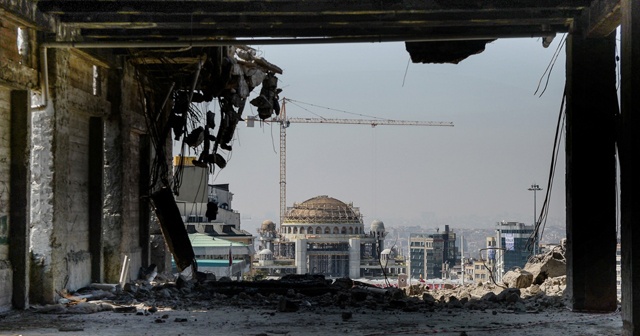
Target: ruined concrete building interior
[{"x": 92, "y": 93}]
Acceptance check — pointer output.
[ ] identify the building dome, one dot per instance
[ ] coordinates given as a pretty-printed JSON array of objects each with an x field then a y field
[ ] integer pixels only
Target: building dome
[
  {"x": 268, "y": 226},
  {"x": 265, "y": 252},
  {"x": 265, "y": 257},
  {"x": 377, "y": 226},
  {"x": 323, "y": 209}
]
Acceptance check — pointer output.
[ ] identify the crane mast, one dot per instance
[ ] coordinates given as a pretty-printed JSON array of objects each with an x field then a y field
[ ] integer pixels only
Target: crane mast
[
  {"x": 284, "y": 122},
  {"x": 283, "y": 166}
]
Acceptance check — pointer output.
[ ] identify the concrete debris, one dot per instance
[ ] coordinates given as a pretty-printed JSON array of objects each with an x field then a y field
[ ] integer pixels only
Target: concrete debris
[
  {"x": 313, "y": 292},
  {"x": 125, "y": 309},
  {"x": 517, "y": 278},
  {"x": 70, "y": 329},
  {"x": 287, "y": 306},
  {"x": 548, "y": 265},
  {"x": 294, "y": 293},
  {"x": 79, "y": 308}
]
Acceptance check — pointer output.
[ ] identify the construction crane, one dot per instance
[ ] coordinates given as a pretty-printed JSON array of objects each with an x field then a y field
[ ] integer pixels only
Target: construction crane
[{"x": 285, "y": 122}]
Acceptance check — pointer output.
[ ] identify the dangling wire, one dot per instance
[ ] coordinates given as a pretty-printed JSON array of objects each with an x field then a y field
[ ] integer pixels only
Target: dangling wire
[
  {"x": 544, "y": 211},
  {"x": 159, "y": 171},
  {"x": 406, "y": 70},
  {"x": 549, "y": 68}
]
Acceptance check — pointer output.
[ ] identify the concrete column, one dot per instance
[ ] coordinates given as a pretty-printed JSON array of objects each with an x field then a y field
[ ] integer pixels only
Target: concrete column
[
  {"x": 19, "y": 199},
  {"x": 629, "y": 167},
  {"x": 591, "y": 173},
  {"x": 96, "y": 169},
  {"x": 354, "y": 258},
  {"x": 113, "y": 181},
  {"x": 144, "y": 210},
  {"x": 301, "y": 256},
  {"x": 42, "y": 204}
]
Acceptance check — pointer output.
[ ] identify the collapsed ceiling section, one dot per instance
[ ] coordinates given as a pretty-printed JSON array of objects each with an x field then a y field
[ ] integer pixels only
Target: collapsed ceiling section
[
  {"x": 205, "y": 92},
  {"x": 444, "y": 51},
  {"x": 228, "y": 75}
]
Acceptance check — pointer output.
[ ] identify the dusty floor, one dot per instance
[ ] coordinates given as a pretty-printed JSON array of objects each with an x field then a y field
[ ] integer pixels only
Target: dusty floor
[{"x": 227, "y": 320}]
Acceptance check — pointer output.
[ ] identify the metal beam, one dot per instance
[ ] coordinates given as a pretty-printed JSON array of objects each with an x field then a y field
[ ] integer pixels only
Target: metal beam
[
  {"x": 309, "y": 7},
  {"x": 603, "y": 17},
  {"x": 174, "y": 20},
  {"x": 288, "y": 41}
]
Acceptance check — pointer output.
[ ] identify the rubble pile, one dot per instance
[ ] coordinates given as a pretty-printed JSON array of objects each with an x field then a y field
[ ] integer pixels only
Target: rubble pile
[
  {"x": 483, "y": 296},
  {"x": 297, "y": 292},
  {"x": 523, "y": 290},
  {"x": 539, "y": 285}
]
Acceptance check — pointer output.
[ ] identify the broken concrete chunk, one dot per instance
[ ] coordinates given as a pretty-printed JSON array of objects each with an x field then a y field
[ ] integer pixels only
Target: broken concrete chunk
[
  {"x": 547, "y": 268},
  {"x": 125, "y": 309},
  {"x": 428, "y": 299},
  {"x": 254, "y": 76},
  {"x": 549, "y": 265},
  {"x": 67, "y": 329},
  {"x": 236, "y": 70},
  {"x": 490, "y": 296},
  {"x": 518, "y": 278},
  {"x": 287, "y": 306},
  {"x": 509, "y": 295}
]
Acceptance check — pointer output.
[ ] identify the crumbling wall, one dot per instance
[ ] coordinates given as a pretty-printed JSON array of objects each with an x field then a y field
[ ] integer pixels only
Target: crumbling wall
[
  {"x": 60, "y": 193},
  {"x": 59, "y": 213},
  {"x": 5, "y": 265},
  {"x": 131, "y": 196},
  {"x": 41, "y": 207},
  {"x": 123, "y": 129},
  {"x": 16, "y": 72},
  {"x": 112, "y": 221}
]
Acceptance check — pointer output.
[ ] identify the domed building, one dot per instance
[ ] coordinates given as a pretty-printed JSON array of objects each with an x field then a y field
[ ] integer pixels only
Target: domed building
[
  {"x": 327, "y": 236},
  {"x": 267, "y": 235}
]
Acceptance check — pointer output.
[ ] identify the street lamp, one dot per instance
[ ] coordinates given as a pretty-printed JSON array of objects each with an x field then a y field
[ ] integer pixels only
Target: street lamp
[{"x": 535, "y": 188}]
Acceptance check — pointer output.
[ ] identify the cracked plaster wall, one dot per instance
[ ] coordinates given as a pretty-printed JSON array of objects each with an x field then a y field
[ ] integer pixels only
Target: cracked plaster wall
[
  {"x": 60, "y": 232},
  {"x": 60, "y": 193},
  {"x": 123, "y": 129},
  {"x": 5, "y": 151},
  {"x": 16, "y": 72},
  {"x": 58, "y": 208}
]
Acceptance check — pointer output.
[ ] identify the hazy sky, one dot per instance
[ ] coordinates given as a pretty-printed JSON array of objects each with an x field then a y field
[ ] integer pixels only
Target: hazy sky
[{"x": 470, "y": 175}]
